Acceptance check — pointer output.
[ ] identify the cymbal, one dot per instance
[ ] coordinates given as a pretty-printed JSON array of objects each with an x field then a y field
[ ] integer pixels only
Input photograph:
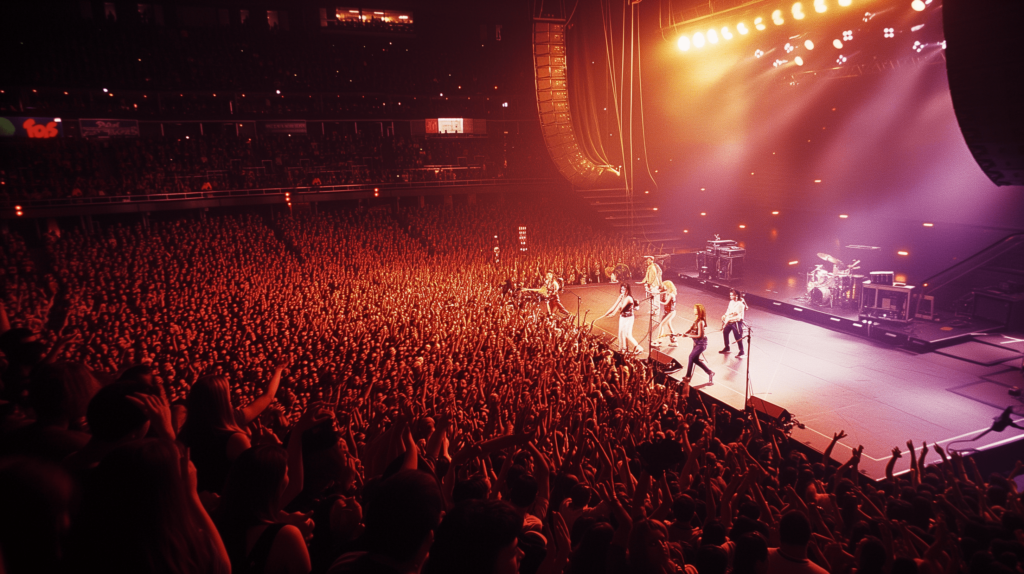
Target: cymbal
[{"x": 829, "y": 258}]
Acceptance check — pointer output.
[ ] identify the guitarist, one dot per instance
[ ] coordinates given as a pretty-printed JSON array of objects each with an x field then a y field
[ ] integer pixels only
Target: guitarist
[
  {"x": 553, "y": 286},
  {"x": 732, "y": 321}
]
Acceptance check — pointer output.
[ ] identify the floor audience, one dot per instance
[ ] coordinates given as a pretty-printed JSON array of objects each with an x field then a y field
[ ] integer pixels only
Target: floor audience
[{"x": 353, "y": 391}]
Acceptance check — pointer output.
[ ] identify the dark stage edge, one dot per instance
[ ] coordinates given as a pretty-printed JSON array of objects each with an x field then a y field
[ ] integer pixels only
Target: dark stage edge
[
  {"x": 784, "y": 290},
  {"x": 831, "y": 380}
]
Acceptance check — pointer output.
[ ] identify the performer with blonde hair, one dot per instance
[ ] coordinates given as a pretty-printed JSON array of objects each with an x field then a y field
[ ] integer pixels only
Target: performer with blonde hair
[{"x": 668, "y": 301}]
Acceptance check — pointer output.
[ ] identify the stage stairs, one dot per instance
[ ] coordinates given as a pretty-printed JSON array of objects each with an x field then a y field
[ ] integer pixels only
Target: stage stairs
[{"x": 635, "y": 216}]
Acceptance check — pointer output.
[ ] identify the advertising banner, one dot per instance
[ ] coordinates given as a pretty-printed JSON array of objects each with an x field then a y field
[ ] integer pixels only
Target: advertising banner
[
  {"x": 26, "y": 127},
  {"x": 107, "y": 128}
]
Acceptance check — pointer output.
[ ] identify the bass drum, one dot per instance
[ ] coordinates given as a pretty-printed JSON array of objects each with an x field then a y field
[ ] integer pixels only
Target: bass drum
[{"x": 821, "y": 295}]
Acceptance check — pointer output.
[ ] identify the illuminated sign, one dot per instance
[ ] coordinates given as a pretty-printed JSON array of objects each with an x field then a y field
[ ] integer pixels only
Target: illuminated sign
[
  {"x": 103, "y": 128},
  {"x": 35, "y": 128}
]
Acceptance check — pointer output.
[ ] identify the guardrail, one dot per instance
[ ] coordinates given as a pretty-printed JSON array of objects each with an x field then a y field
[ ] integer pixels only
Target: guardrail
[{"x": 259, "y": 192}]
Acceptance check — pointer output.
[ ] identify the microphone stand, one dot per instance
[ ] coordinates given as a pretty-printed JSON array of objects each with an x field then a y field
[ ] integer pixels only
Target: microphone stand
[
  {"x": 748, "y": 393},
  {"x": 579, "y": 302}
]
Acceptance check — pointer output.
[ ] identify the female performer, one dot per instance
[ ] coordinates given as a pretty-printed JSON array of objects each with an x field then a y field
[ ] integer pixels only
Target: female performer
[
  {"x": 668, "y": 302},
  {"x": 624, "y": 306},
  {"x": 700, "y": 343}
]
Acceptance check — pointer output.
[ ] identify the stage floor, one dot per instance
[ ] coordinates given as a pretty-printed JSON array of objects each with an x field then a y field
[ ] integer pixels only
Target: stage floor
[{"x": 831, "y": 381}]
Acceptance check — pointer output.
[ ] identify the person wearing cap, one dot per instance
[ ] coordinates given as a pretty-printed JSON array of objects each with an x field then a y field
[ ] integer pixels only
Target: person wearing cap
[{"x": 652, "y": 283}]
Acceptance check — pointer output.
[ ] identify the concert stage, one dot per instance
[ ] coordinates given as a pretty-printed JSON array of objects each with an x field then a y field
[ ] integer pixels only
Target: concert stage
[{"x": 831, "y": 380}]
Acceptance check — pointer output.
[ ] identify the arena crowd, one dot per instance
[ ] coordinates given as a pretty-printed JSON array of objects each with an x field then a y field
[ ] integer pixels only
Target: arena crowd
[{"x": 352, "y": 391}]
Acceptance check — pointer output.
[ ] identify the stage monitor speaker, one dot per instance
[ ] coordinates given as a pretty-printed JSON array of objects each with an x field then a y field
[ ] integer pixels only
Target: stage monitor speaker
[
  {"x": 985, "y": 65},
  {"x": 664, "y": 361},
  {"x": 775, "y": 412}
]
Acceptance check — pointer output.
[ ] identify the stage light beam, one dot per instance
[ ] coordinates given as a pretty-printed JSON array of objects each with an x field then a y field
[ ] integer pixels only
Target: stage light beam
[{"x": 684, "y": 43}]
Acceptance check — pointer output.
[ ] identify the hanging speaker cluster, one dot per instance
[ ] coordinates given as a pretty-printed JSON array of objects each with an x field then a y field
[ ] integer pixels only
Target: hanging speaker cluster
[
  {"x": 985, "y": 66},
  {"x": 552, "y": 83}
]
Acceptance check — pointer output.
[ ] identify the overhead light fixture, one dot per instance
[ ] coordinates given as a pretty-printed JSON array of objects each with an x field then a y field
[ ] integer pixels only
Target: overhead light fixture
[
  {"x": 917, "y": 5},
  {"x": 838, "y": 44},
  {"x": 712, "y": 36},
  {"x": 777, "y": 18},
  {"x": 820, "y": 7},
  {"x": 809, "y": 44},
  {"x": 798, "y": 11},
  {"x": 742, "y": 28},
  {"x": 698, "y": 40},
  {"x": 759, "y": 23},
  {"x": 683, "y": 43},
  {"x": 726, "y": 33}
]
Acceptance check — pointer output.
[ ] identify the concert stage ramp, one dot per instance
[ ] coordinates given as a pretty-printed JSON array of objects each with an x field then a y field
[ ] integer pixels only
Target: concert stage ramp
[{"x": 830, "y": 381}]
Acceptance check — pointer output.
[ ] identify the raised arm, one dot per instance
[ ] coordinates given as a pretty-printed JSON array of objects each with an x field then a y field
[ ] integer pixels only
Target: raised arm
[{"x": 249, "y": 413}]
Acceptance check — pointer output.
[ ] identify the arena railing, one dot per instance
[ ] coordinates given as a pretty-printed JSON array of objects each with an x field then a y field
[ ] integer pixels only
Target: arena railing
[{"x": 297, "y": 191}]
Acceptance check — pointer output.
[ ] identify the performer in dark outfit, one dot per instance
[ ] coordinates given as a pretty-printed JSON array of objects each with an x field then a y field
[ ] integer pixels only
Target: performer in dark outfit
[
  {"x": 700, "y": 343},
  {"x": 732, "y": 321}
]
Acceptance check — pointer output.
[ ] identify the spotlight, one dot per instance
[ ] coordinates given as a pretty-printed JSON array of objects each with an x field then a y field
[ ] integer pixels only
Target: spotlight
[
  {"x": 902, "y": 253},
  {"x": 798, "y": 11},
  {"x": 726, "y": 33},
  {"x": 743, "y": 226},
  {"x": 759, "y": 23},
  {"x": 778, "y": 63},
  {"x": 788, "y": 47},
  {"x": 798, "y": 61},
  {"x": 888, "y": 33},
  {"x": 683, "y": 43},
  {"x": 809, "y": 45},
  {"x": 868, "y": 16},
  {"x": 838, "y": 44},
  {"x": 848, "y": 35},
  {"x": 712, "y": 36},
  {"x": 278, "y": 92},
  {"x": 793, "y": 262},
  {"x": 929, "y": 224},
  {"x": 844, "y": 216},
  {"x": 917, "y": 5},
  {"x": 942, "y": 44},
  {"x": 845, "y": 3},
  {"x": 698, "y": 40},
  {"x": 819, "y": 6},
  {"x": 775, "y": 213},
  {"x": 758, "y": 53},
  {"x": 742, "y": 28},
  {"x": 918, "y": 47},
  {"x": 841, "y": 59},
  {"x": 777, "y": 18}
]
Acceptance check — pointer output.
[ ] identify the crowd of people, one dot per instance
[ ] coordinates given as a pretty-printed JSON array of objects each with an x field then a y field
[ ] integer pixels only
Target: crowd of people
[
  {"x": 350, "y": 391},
  {"x": 75, "y": 167}
]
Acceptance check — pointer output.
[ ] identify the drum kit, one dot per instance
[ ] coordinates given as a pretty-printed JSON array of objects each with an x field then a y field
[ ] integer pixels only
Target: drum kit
[{"x": 836, "y": 288}]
